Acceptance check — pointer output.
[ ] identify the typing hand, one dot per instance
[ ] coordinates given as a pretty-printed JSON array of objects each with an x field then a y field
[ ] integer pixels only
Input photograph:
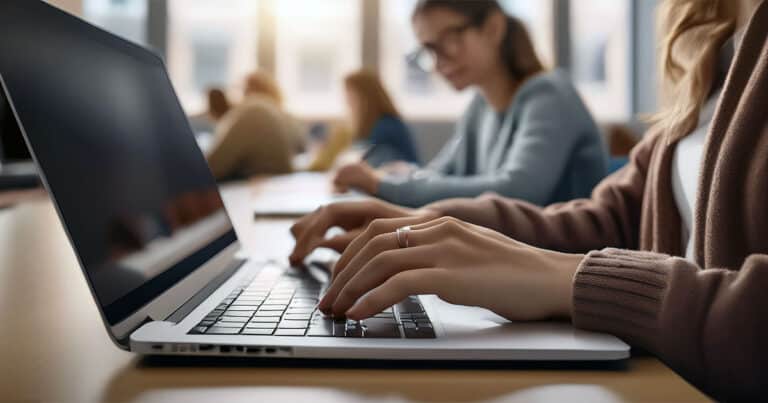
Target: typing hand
[
  {"x": 353, "y": 217},
  {"x": 358, "y": 176},
  {"x": 459, "y": 262}
]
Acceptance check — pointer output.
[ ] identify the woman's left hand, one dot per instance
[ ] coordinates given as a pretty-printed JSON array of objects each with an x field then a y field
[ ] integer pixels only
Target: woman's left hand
[
  {"x": 360, "y": 176},
  {"x": 459, "y": 262}
]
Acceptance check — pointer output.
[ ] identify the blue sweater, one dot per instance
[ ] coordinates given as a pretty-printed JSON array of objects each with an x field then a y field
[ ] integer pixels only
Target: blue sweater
[
  {"x": 543, "y": 149},
  {"x": 392, "y": 141}
]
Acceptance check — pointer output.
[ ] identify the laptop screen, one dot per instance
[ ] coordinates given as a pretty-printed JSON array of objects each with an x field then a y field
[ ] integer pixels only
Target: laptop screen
[
  {"x": 12, "y": 145},
  {"x": 132, "y": 187}
]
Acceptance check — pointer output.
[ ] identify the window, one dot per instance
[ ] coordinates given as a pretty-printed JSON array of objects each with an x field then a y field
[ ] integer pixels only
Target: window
[
  {"x": 317, "y": 44},
  {"x": 210, "y": 44},
  {"x": 126, "y": 18},
  {"x": 600, "y": 56}
]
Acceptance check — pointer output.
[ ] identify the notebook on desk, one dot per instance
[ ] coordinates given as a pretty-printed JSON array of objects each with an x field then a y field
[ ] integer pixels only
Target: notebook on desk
[
  {"x": 296, "y": 195},
  {"x": 153, "y": 238}
]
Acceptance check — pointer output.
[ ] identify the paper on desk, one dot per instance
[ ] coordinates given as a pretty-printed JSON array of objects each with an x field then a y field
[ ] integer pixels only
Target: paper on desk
[{"x": 297, "y": 195}]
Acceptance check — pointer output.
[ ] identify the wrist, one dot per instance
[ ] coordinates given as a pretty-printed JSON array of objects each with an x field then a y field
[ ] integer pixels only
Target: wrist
[
  {"x": 373, "y": 185},
  {"x": 566, "y": 266}
]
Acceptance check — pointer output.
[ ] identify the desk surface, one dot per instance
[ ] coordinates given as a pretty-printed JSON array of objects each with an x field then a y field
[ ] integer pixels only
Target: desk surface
[{"x": 53, "y": 346}]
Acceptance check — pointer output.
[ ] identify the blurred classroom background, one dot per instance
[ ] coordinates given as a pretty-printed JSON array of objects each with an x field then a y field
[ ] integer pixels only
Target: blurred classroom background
[{"x": 310, "y": 45}]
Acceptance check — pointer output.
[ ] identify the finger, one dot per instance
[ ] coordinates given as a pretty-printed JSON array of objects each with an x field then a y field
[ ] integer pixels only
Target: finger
[
  {"x": 312, "y": 229},
  {"x": 375, "y": 228},
  {"x": 339, "y": 242},
  {"x": 380, "y": 269},
  {"x": 411, "y": 282},
  {"x": 445, "y": 221},
  {"x": 310, "y": 237},
  {"x": 379, "y": 244}
]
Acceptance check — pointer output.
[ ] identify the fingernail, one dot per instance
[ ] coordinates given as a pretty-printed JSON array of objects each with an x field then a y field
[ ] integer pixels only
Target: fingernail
[{"x": 352, "y": 313}]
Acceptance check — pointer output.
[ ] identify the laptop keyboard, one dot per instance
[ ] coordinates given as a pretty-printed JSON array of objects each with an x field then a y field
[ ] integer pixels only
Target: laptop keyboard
[{"x": 285, "y": 305}]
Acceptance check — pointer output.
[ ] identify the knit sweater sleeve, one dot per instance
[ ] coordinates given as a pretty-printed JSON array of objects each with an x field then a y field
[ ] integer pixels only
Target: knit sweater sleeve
[
  {"x": 708, "y": 324},
  {"x": 609, "y": 218}
]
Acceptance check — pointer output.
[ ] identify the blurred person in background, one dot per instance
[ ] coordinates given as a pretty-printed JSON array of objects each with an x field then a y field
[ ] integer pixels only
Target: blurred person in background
[
  {"x": 256, "y": 137},
  {"x": 373, "y": 122},
  {"x": 218, "y": 106},
  {"x": 527, "y": 134}
]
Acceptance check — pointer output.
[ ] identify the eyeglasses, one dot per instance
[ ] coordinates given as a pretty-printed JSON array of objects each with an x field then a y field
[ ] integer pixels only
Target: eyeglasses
[{"x": 447, "y": 46}]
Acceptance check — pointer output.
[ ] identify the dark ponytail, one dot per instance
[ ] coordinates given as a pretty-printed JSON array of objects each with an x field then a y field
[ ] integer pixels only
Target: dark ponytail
[{"x": 516, "y": 52}]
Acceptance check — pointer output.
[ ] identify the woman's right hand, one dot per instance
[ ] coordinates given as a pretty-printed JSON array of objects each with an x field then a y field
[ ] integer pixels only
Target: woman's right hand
[{"x": 353, "y": 217}]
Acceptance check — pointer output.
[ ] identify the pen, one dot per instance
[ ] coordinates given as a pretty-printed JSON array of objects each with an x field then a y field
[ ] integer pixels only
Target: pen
[{"x": 367, "y": 154}]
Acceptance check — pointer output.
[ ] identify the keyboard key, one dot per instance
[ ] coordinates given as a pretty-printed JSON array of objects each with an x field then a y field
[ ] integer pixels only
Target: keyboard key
[
  {"x": 236, "y": 319},
  {"x": 254, "y": 301},
  {"x": 222, "y": 330},
  {"x": 198, "y": 330},
  {"x": 254, "y": 294},
  {"x": 303, "y": 304},
  {"x": 268, "y": 319},
  {"x": 380, "y": 328},
  {"x": 263, "y": 314},
  {"x": 353, "y": 332},
  {"x": 283, "y": 302},
  {"x": 311, "y": 301},
  {"x": 257, "y": 332},
  {"x": 289, "y": 332},
  {"x": 410, "y": 305},
  {"x": 297, "y": 316},
  {"x": 248, "y": 304},
  {"x": 257, "y": 325},
  {"x": 272, "y": 307},
  {"x": 293, "y": 324},
  {"x": 419, "y": 333},
  {"x": 321, "y": 328},
  {"x": 246, "y": 314},
  {"x": 297, "y": 310},
  {"x": 230, "y": 324}
]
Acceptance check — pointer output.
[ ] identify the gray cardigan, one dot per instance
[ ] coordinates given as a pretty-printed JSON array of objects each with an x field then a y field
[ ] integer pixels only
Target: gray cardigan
[{"x": 544, "y": 148}]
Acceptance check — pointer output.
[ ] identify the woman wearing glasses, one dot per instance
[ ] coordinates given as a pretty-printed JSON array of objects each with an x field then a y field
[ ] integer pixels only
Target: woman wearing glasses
[
  {"x": 670, "y": 253},
  {"x": 527, "y": 134}
]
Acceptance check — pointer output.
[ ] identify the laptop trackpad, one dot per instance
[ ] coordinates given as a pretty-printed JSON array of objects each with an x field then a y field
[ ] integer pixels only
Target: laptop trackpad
[{"x": 462, "y": 320}]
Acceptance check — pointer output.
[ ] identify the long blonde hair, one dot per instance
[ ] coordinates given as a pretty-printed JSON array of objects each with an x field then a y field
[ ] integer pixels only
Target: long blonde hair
[
  {"x": 693, "y": 33},
  {"x": 374, "y": 101}
]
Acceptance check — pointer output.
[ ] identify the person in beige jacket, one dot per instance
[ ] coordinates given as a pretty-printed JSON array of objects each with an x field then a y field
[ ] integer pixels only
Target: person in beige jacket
[
  {"x": 256, "y": 137},
  {"x": 670, "y": 253}
]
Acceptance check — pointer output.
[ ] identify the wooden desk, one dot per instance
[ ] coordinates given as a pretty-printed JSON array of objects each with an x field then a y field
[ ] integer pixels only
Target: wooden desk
[{"x": 53, "y": 346}]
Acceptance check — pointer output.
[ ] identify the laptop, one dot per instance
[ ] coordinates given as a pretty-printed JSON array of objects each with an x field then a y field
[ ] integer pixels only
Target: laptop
[
  {"x": 153, "y": 238},
  {"x": 17, "y": 170}
]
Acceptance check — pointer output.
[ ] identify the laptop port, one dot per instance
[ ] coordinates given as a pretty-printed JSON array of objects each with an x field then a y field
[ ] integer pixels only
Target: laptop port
[
  {"x": 270, "y": 350},
  {"x": 239, "y": 349},
  {"x": 225, "y": 349},
  {"x": 254, "y": 350},
  {"x": 157, "y": 347},
  {"x": 205, "y": 347}
]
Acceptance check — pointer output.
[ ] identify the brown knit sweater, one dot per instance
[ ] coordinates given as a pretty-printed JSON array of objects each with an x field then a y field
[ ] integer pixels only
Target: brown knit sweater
[{"x": 708, "y": 320}]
